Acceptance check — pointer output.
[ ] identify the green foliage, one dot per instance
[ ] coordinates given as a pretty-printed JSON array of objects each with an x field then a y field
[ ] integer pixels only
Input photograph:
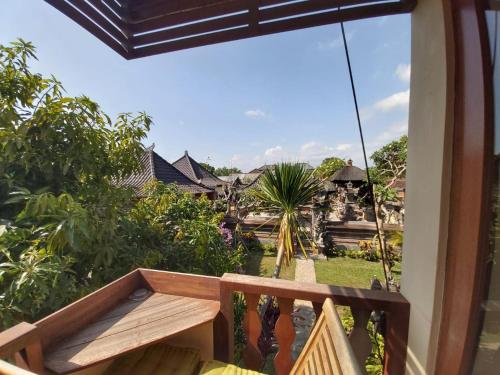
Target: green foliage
[
  {"x": 396, "y": 238},
  {"x": 390, "y": 160},
  {"x": 56, "y": 142},
  {"x": 239, "y": 306},
  {"x": 226, "y": 171},
  {"x": 184, "y": 231},
  {"x": 282, "y": 190},
  {"x": 328, "y": 167},
  {"x": 65, "y": 227},
  {"x": 208, "y": 167},
  {"x": 223, "y": 171}
]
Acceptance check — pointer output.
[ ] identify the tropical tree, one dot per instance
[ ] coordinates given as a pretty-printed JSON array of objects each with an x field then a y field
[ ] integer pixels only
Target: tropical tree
[
  {"x": 208, "y": 167},
  {"x": 65, "y": 227},
  {"x": 226, "y": 171},
  {"x": 329, "y": 166},
  {"x": 282, "y": 190},
  {"x": 390, "y": 160},
  {"x": 390, "y": 165}
]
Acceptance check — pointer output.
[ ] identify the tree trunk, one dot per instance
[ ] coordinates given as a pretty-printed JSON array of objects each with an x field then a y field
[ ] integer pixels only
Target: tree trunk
[
  {"x": 279, "y": 260},
  {"x": 276, "y": 274},
  {"x": 385, "y": 256}
]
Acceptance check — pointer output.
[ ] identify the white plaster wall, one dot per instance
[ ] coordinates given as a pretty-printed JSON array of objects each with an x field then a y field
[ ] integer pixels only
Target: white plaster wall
[{"x": 428, "y": 175}]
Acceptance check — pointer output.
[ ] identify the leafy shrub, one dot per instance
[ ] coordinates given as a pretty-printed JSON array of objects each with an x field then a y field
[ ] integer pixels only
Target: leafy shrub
[
  {"x": 239, "y": 306},
  {"x": 269, "y": 249},
  {"x": 65, "y": 227},
  {"x": 335, "y": 251}
]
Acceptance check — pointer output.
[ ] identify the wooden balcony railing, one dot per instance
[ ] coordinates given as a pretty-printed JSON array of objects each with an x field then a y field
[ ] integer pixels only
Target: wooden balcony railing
[
  {"x": 28, "y": 344},
  {"x": 361, "y": 302}
]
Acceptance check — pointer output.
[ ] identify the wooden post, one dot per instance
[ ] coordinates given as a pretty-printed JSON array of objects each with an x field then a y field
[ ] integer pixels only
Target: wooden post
[
  {"x": 285, "y": 335},
  {"x": 253, "y": 329},
  {"x": 396, "y": 340},
  {"x": 35, "y": 357},
  {"x": 224, "y": 326}
]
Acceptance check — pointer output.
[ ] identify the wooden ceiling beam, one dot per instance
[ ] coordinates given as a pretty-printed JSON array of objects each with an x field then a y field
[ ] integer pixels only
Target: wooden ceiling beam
[
  {"x": 192, "y": 29},
  {"x": 167, "y": 20},
  {"x": 325, "y": 18},
  {"x": 90, "y": 26},
  {"x": 100, "y": 20},
  {"x": 110, "y": 14},
  {"x": 181, "y": 24},
  {"x": 120, "y": 10},
  {"x": 150, "y": 9}
]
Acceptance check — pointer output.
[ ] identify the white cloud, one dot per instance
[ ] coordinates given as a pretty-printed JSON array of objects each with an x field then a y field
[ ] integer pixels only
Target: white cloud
[
  {"x": 343, "y": 147},
  {"x": 397, "y": 100},
  {"x": 314, "y": 151},
  {"x": 393, "y": 132},
  {"x": 255, "y": 113},
  {"x": 337, "y": 42},
  {"x": 274, "y": 152},
  {"x": 403, "y": 72}
]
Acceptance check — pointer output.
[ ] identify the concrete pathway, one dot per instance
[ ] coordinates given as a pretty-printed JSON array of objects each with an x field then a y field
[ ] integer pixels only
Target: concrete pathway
[{"x": 303, "y": 315}]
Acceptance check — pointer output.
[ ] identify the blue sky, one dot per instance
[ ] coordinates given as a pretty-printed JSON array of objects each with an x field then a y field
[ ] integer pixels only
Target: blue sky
[{"x": 243, "y": 103}]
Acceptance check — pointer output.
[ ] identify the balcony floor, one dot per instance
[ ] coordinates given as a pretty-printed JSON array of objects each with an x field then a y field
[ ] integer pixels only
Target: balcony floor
[{"x": 129, "y": 326}]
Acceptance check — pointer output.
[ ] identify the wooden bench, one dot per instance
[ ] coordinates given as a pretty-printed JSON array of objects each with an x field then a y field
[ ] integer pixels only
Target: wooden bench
[{"x": 327, "y": 351}]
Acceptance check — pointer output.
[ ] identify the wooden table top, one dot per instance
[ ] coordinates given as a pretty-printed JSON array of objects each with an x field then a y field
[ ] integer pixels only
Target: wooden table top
[{"x": 129, "y": 326}]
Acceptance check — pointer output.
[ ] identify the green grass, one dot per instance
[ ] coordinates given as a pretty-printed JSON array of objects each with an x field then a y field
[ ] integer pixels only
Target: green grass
[
  {"x": 259, "y": 264},
  {"x": 350, "y": 272}
]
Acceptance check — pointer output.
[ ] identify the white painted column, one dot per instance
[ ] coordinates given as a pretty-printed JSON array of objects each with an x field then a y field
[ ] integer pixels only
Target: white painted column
[{"x": 428, "y": 176}]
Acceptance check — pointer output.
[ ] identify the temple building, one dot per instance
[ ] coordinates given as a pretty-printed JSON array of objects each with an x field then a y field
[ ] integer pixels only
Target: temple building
[
  {"x": 266, "y": 167},
  {"x": 196, "y": 172},
  {"x": 349, "y": 176},
  {"x": 154, "y": 167}
]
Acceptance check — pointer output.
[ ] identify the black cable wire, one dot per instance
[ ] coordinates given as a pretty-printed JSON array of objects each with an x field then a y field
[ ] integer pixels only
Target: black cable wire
[{"x": 370, "y": 185}]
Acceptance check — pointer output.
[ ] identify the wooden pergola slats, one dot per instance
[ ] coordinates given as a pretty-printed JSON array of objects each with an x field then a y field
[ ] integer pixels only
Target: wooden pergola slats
[{"x": 136, "y": 28}]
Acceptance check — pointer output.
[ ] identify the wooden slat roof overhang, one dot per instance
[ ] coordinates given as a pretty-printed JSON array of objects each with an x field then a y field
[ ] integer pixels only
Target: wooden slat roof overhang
[{"x": 139, "y": 28}]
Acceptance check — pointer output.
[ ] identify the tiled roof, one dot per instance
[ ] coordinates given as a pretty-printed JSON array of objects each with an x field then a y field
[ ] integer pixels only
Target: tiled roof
[
  {"x": 192, "y": 169},
  {"x": 265, "y": 167},
  {"x": 349, "y": 173},
  {"x": 155, "y": 167},
  {"x": 399, "y": 184}
]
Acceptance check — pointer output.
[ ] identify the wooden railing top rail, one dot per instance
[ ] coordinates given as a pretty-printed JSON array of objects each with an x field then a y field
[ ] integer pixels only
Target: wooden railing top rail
[
  {"x": 361, "y": 302},
  {"x": 182, "y": 284},
  {"x": 72, "y": 318},
  {"x": 355, "y": 297},
  {"x": 16, "y": 338}
]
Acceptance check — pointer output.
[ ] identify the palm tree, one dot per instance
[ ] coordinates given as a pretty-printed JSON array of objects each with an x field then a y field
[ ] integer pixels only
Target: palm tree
[{"x": 282, "y": 190}]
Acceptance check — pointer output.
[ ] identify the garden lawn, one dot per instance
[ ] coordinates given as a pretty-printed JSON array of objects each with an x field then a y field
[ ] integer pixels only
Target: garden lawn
[
  {"x": 260, "y": 265},
  {"x": 350, "y": 272}
]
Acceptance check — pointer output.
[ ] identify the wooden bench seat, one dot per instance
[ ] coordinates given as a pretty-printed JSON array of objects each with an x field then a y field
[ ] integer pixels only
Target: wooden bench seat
[
  {"x": 159, "y": 359},
  {"x": 221, "y": 368},
  {"x": 327, "y": 351},
  {"x": 163, "y": 359},
  {"x": 130, "y": 326}
]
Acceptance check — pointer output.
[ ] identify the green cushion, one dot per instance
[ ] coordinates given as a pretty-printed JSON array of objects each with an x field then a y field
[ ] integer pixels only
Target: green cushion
[
  {"x": 160, "y": 359},
  {"x": 221, "y": 368}
]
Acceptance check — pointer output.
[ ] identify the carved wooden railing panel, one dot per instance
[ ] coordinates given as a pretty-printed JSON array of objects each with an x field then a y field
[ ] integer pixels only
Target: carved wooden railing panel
[{"x": 361, "y": 301}]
